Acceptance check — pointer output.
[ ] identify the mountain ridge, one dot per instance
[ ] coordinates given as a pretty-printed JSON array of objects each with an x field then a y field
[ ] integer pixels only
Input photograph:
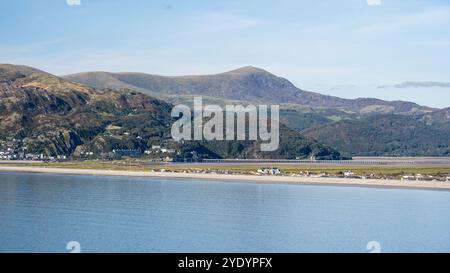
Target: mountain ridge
[{"x": 249, "y": 84}]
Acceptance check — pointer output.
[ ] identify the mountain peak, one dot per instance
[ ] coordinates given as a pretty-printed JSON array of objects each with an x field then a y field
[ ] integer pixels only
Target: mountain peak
[{"x": 247, "y": 70}]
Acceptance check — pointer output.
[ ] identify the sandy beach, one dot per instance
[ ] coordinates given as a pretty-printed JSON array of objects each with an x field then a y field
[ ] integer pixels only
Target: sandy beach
[{"x": 431, "y": 185}]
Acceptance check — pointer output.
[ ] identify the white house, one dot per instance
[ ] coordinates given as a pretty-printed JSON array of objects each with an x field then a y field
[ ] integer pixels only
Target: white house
[
  {"x": 349, "y": 174},
  {"x": 271, "y": 171}
]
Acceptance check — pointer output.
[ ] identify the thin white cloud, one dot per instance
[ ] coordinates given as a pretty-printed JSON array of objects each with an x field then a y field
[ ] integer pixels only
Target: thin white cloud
[
  {"x": 428, "y": 17},
  {"x": 214, "y": 22},
  {"x": 373, "y": 2},
  {"x": 417, "y": 84},
  {"x": 73, "y": 2}
]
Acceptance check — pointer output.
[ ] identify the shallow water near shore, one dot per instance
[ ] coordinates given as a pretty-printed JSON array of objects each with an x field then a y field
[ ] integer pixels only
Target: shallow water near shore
[{"x": 43, "y": 212}]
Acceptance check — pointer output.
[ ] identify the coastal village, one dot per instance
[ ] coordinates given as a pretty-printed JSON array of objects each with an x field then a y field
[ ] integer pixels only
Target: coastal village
[{"x": 15, "y": 150}]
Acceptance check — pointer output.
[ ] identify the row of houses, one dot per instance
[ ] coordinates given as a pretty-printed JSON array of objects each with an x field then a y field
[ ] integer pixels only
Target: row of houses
[
  {"x": 156, "y": 149},
  {"x": 351, "y": 174},
  {"x": 31, "y": 157},
  {"x": 426, "y": 177}
]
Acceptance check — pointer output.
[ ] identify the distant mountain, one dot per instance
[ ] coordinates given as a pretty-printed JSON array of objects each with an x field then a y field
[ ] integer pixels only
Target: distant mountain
[
  {"x": 363, "y": 126},
  {"x": 46, "y": 114},
  {"x": 248, "y": 84},
  {"x": 388, "y": 135}
]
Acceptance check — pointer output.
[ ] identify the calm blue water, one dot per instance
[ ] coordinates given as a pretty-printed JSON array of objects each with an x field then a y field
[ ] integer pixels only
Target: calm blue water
[{"x": 42, "y": 212}]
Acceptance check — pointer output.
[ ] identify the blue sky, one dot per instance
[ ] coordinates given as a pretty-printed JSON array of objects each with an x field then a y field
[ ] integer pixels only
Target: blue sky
[{"x": 346, "y": 48}]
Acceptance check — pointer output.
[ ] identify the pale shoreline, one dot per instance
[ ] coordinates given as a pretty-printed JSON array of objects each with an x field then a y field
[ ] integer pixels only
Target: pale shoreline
[{"x": 377, "y": 183}]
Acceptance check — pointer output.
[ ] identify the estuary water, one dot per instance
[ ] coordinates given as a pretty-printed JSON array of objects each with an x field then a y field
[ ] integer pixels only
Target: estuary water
[{"x": 44, "y": 212}]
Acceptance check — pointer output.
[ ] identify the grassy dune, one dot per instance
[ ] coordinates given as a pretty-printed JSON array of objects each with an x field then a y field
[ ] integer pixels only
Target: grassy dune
[{"x": 243, "y": 168}]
